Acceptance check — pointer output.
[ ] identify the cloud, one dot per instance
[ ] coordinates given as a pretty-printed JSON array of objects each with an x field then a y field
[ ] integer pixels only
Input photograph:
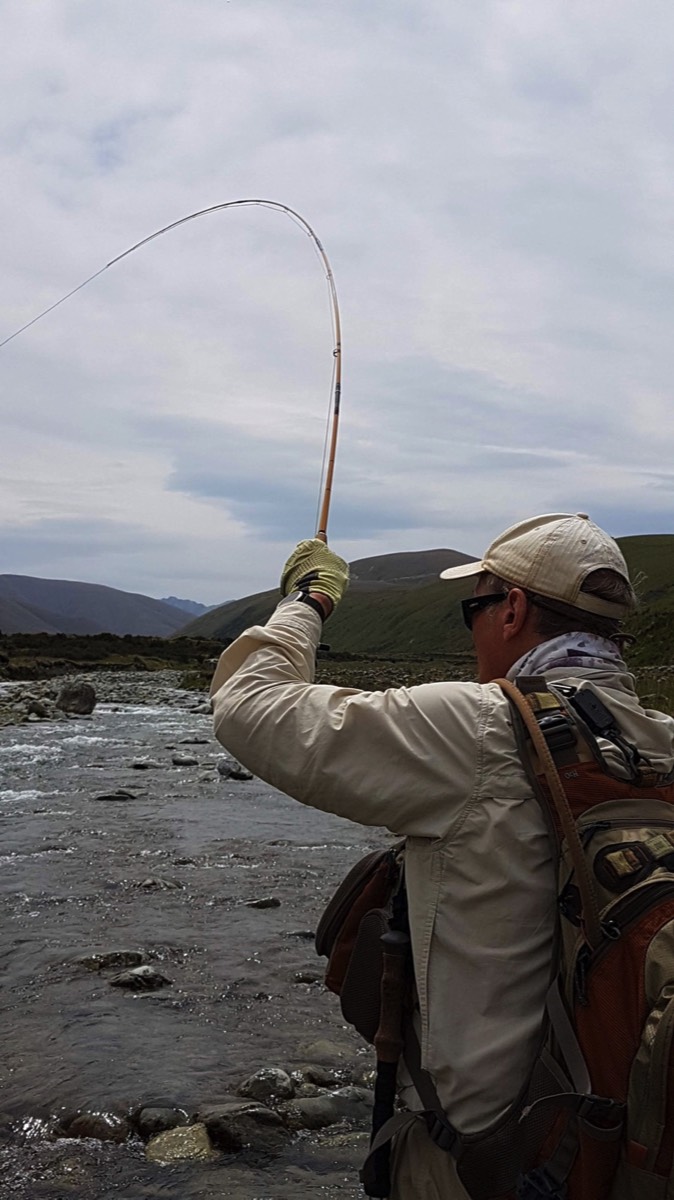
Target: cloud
[{"x": 494, "y": 185}]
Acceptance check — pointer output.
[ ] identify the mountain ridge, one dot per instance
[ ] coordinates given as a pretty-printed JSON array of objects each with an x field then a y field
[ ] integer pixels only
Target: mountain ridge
[{"x": 31, "y": 604}]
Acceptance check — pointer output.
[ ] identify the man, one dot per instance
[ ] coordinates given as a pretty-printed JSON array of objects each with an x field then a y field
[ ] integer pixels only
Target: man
[{"x": 438, "y": 763}]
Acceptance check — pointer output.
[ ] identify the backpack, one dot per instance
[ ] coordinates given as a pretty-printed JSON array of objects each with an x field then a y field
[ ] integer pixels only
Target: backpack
[{"x": 595, "y": 1118}]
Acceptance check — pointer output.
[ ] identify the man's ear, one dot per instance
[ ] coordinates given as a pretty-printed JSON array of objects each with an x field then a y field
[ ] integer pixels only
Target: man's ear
[{"x": 515, "y": 613}]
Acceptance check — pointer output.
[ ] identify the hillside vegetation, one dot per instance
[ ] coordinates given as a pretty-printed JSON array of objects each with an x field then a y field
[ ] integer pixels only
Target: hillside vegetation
[{"x": 385, "y": 615}]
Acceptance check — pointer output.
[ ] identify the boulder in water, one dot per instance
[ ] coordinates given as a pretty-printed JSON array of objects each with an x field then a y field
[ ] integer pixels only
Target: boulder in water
[
  {"x": 140, "y": 979},
  {"x": 191, "y": 1141},
  {"x": 77, "y": 697}
]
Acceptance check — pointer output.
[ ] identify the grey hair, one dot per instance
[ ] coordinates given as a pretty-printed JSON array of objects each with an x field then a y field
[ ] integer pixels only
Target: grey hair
[{"x": 554, "y": 618}]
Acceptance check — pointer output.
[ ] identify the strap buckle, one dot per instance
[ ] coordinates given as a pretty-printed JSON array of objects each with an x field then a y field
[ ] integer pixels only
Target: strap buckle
[
  {"x": 557, "y": 730},
  {"x": 539, "y": 1185},
  {"x": 442, "y": 1133}
]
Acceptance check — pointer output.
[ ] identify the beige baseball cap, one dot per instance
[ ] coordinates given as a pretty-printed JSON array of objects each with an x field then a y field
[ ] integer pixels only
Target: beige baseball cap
[{"x": 552, "y": 555}]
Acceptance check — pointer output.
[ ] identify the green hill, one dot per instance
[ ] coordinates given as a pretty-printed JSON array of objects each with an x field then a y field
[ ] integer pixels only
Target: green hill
[{"x": 397, "y": 606}]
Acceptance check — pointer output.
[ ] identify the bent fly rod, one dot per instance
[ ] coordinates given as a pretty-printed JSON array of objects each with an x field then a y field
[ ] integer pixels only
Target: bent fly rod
[{"x": 330, "y": 449}]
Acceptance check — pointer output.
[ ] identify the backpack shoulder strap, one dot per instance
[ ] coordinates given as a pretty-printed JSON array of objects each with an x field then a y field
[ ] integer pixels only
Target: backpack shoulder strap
[{"x": 527, "y": 706}]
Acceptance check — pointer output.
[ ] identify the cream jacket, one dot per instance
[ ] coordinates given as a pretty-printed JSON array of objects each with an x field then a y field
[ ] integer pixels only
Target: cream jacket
[{"x": 438, "y": 764}]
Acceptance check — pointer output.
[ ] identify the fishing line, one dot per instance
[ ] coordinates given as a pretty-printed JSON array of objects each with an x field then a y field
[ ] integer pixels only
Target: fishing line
[{"x": 330, "y": 446}]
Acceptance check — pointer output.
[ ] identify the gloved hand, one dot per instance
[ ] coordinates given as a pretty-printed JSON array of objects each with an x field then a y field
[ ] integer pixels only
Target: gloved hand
[{"x": 312, "y": 567}]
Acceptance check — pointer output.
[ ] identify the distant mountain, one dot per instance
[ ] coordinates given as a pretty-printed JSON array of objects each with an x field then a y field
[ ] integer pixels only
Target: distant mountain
[
  {"x": 192, "y": 607},
  {"x": 31, "y": 605},
  {"x": 407, "y": 568},
  {"x": 364, "y": 622}
]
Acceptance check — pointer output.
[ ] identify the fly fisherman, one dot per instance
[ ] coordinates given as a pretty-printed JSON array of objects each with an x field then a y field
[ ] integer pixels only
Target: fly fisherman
[{"x": 438, "y": 764}]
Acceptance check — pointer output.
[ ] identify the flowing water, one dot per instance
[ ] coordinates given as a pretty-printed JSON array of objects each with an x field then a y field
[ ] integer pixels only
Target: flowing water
[{"x": 71, "y": 886}]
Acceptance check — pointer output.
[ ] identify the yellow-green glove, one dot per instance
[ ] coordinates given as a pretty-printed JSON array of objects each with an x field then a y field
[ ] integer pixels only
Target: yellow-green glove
[{"x": 313, "y": 568}]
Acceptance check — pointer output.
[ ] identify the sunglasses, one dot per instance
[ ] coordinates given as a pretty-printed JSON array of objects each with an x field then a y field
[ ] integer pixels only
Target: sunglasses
[{"x": 475, "y": 604}]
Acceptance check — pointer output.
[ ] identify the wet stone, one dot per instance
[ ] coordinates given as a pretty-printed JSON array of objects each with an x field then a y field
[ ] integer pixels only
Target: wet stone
[
  {"x": 114, "y": 958},
  {"x": 191, "y": 1142},
  {"x": 236, "y": 1125},
  {"x": 315, "y": 1112},
  {"x": 264, "y": 902},
  {"x": 145, "y": 764},
  {"x": 118, "y": 794},
  {"x": 105, "y": 1127},
  {"x": 185, "y": 760},
  {"x": 269, "y": 1083},
  {"x": 159, "y": 883},
  {"x": 139, "y": 979},
  {"x": 324, "y": 1054},
  {"x": 152, "y": 1121},
  {"x": 229, "y": 768},
  {"x": 310, "y": 976},
  {"x": 325, "y": 1077}
]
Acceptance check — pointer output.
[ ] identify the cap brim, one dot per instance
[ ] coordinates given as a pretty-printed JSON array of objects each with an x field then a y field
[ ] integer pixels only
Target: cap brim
[{"x": 464, "y": 571}]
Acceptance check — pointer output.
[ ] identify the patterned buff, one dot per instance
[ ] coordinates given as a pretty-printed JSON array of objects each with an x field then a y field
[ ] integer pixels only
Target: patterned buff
[{"x": 569, "y": 650}]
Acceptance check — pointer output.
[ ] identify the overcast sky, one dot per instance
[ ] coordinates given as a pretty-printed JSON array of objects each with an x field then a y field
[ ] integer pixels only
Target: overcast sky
[{"x": 493, "y": 181}]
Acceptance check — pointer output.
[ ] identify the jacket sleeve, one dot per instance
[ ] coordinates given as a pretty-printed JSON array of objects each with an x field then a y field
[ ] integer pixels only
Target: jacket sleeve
[{"x": 405, "y": 758}]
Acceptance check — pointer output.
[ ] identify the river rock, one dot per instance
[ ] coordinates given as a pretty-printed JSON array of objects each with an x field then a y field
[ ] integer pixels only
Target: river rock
[
  {"x": 264, "y": 902},
  {"x": 105, "y": 1127},
  {"x": 140, "y": 979},
  {"x": 39, "y": 708},
  {"x": 159, "y": 883},
  {"x": 185, "y": 760},
  {"x": 235, "y": 1125},
  {"x": 144, "y": 764},
  {"x": 151, "y": 1121},
  {"x": 119, "y": 794},
  {"x": 191, "y": 1141},
  {"x": 76, "y": 697},
  {"x": 324, "y": 1077},
  {"x": 229, "y": 768},
  {"x": 315, "y": 1112},
  {"x": 269, "y": 1083},
  {"x": 194, "y": 741},
  {"x": 113, "y": 958},
  {"x": 325, "y": 1054},
  {"x": 309, "y": 976}
]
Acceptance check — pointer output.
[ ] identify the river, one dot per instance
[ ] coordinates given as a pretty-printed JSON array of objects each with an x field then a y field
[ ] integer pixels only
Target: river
[{"x": 168, "y": 872}]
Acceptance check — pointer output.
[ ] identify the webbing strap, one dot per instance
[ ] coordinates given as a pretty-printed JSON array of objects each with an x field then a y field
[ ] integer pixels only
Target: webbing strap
[
  {"x": 591, "y": 918},
  {"x": 567, "y": 1040}
]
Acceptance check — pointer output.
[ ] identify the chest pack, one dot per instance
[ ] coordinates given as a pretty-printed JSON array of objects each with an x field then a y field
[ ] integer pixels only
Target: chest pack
[{"x": 595, "y": 1118}]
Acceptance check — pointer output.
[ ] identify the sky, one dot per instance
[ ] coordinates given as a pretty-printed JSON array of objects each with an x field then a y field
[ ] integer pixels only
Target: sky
[{"x": 493, "y": 183}]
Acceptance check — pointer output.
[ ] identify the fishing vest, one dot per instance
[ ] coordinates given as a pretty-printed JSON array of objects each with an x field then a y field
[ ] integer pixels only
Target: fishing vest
[{"x": 595, "y": 1118}]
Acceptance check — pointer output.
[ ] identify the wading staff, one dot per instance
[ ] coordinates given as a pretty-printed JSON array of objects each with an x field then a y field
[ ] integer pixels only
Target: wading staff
[
  {"x": 328, "y": 467},
  {"x": 388, "y": 1044}
]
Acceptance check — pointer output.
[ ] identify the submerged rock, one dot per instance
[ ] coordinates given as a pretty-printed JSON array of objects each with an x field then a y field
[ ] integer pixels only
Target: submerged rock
[
  {"x": 191, "y": 1141},
  {"x": 158, "y": 1119},
  {"x": 105, "y": 1127},
  {"x": 264, "y": 902},
  {"x": 184, "y": 760},
  {"x": 160, "y": 884},
  {"x": 118, "y": 794},
  {"x": 139, "y": 979},
  {"x": 269, "y": 1083},
  {"x": 113, "y": 958}
]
